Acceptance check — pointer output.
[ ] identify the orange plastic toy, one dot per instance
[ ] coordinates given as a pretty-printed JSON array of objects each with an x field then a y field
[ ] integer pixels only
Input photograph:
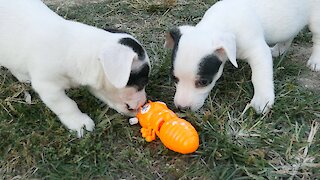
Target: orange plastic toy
[{"x": 175, "y": 133}]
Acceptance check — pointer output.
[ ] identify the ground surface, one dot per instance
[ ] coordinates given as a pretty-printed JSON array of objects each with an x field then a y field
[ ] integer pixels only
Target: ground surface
[
  {"x": 284, "y": 144},
  {"x": 309, "y": 79}
]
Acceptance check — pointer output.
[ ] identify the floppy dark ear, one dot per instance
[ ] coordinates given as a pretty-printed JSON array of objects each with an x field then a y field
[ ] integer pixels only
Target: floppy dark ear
[{"x": 172, "y": 37}]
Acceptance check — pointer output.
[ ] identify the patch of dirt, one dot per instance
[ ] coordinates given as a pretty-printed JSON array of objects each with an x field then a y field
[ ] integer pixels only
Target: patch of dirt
[{"x": 308, "y": 79}]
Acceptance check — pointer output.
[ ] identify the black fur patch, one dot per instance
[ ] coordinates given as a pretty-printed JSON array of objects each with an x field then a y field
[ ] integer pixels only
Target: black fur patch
[
  {"x": 176, "y": 35},
  {"x": 139, "y": 79},
  {"x": 208, "y": 68},
  {"x": 135, "y": 46}
]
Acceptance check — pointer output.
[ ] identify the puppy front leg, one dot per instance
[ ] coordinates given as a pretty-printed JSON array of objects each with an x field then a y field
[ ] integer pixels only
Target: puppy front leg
[
  {"x": 260, "y": 61},
  {"x": 64, "y": 107},
  {"x": 314, "y": 60}
]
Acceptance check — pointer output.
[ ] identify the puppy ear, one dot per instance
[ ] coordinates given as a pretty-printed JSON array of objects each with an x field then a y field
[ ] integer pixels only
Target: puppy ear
[
  {"x": 116, "y": 62},
  {"x": 174, "y": 35},
  {"x": 226, "y": 48}
]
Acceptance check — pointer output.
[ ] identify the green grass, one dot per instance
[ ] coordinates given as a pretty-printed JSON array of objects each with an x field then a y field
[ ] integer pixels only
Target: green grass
[{"x": 34, "y": 144}]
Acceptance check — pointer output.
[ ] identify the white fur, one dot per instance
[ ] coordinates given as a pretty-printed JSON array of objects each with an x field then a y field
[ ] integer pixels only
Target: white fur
[
  {"x": 55, "y": 54},
  {"x": 250, "y": 25}
]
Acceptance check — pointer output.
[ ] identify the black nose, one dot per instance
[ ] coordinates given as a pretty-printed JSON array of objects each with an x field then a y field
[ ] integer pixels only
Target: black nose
[{"x": 129, "y": 108}]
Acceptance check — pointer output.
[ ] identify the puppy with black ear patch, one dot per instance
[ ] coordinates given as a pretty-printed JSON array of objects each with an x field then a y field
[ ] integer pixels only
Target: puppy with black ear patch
[
  {"x": 55, "y": 54},
  {"x": 242, "y": 29}
]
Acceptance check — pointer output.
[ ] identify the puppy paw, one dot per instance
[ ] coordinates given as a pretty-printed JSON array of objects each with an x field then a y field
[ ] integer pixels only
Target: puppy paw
[
  {"x": 314, "y": 64},
  {"x": 77, "y": 122},
  {"x": 262, "y": 104}
]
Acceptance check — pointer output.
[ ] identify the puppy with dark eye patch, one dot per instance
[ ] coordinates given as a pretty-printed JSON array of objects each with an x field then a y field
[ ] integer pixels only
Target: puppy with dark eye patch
[
  {"x": 243, "y": 29},
  {"x": 196, "y": 65},
  {"x": 55, "y": 54}
]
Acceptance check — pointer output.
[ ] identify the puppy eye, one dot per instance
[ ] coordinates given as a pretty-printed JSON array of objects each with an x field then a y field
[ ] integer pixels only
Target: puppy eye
[{"x": 202, "y": 82}]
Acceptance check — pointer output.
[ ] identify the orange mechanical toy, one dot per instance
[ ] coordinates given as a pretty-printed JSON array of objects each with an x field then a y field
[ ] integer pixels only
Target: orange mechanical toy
[{"x": 175, "y": 133}]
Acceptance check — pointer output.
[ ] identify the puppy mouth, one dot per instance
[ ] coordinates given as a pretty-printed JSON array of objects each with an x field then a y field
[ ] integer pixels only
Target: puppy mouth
[
  {"x": 196, "y": 107},
  {"x": 130, "y": 111},
  {"x": 128, "y": 107},
  {"x": 193, "y": 108}
]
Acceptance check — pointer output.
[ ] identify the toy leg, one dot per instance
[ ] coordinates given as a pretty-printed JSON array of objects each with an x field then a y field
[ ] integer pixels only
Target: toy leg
[{"x": 148, "y": 134}]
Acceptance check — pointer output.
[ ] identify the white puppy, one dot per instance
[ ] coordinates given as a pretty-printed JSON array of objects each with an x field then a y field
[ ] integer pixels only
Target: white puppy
[
  {"x": 242, "y": 29},
  {"x": 55, "y": 54}
]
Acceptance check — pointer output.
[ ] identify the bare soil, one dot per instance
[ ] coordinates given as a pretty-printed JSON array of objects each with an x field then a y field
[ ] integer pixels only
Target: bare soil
[{"x": 309, "y": 79}]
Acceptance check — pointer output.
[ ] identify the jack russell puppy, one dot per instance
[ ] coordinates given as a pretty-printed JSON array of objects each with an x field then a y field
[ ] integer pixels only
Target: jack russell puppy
[
  {"x": 243, "y": 29},
  {"x": 55, "y": 54}
]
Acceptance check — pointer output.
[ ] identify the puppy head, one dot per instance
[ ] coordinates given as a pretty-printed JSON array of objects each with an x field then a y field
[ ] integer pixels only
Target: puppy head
[
  {"x": 198, "y": 59},
  {"x": 125, "y": 70}
]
